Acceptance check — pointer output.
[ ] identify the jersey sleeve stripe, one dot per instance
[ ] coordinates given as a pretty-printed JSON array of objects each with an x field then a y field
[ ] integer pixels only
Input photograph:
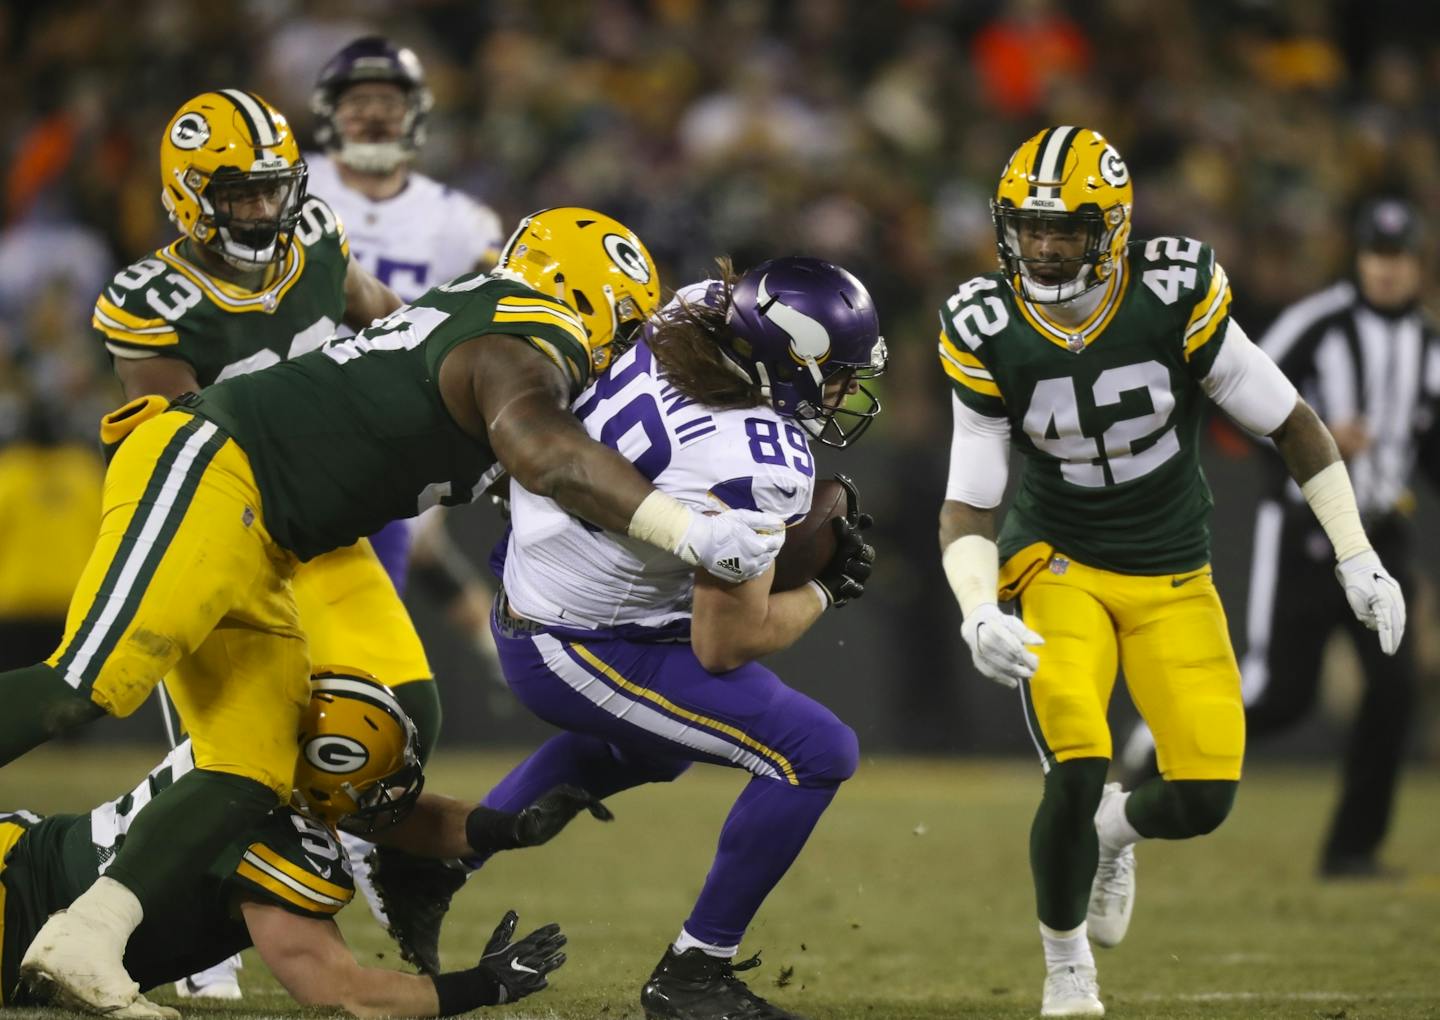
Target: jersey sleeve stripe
[
  {"x": 304, "y": 876},
  {"x": 562, "y": 317},
  {"x": 285, "y": 888},
  {"x": 114, "y": 333},
  {"x": 1219, "y": 288},
  {"x": 127, "y": 319},
  {"x": 968, "y": 377},
  {"x": 1202, "y": 331},
  {"x": 960, "y": 355}
]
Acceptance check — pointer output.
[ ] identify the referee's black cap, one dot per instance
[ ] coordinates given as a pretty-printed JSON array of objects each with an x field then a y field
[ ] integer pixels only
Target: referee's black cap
[{"x": 1390, "y": 225}]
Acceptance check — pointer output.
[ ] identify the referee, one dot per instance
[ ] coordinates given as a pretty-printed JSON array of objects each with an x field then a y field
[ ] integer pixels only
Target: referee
[{"x": 1366, "y": 357}]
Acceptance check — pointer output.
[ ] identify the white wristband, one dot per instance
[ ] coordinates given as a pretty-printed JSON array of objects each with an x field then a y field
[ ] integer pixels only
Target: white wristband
[
  {"x": 661, "y": 520},
  {"x": 821, "y": 594},
  {"x": 972, "y": 565},
  {"x": 1333, "y": 501}
]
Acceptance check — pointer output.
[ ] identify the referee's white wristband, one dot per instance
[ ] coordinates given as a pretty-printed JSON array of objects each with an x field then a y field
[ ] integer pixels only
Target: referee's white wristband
[
  {"x": 972, "y": 566},
  {"x": 1332, "y": 499}
]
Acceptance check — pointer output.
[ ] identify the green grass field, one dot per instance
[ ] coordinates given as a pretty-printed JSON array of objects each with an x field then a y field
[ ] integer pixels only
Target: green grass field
[{"x": 913, "y": 900}]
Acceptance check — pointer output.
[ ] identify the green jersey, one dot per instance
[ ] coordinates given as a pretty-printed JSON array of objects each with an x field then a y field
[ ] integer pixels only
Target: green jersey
[
  {"x": 352, "y": 436},
  {"x": 287, "y": 860},
  {"x": 167, "y": 306},
  {"x": 1106, "y": 415}
]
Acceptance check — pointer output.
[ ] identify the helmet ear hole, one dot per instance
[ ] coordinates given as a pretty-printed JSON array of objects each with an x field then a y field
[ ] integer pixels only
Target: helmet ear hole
[{"x": 582, "y": 303}]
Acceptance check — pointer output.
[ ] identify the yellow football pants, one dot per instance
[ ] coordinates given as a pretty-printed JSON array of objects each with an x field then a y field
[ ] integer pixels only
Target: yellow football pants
[
  {"x": 353, "y": 616},
  {"x": 10, "y": 833},
  {"x": 1167, "y": 633},
  {"x": 185, "y": 580}
]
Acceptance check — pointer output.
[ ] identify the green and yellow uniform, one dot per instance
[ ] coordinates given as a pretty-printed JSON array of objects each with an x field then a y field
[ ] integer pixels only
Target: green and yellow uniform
[
  {"x": 1107, "y": 541},
  {"x": 45, "y": 863},
  {"x": 167, "y": 306},
  {"x": 208, "y": 508}
]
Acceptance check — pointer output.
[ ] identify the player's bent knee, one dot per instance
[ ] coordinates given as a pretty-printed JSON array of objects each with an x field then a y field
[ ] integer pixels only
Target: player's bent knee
[
  {"x": 1073, "y": 788},
  {"x": 1204, "y": 803},
  {"x": 836, "y": 754}
]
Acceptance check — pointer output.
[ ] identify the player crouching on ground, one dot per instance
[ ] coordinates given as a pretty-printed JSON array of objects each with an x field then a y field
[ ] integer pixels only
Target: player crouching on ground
[{"x": 279, "y": 887}]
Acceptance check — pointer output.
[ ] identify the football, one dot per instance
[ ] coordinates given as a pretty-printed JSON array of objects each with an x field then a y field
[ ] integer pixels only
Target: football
[{"x": 809, "y": 543}]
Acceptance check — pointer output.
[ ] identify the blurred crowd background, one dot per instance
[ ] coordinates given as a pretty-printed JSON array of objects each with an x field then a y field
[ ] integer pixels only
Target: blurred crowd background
[{"x": 870, "y": 132}]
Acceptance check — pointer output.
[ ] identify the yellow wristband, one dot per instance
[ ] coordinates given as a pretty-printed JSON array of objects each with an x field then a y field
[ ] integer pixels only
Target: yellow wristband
[{"x": 972, "y": 565}]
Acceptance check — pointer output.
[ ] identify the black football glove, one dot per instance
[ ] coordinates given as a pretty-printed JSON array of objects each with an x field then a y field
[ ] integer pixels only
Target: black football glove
[
  {"x": 520, "y": 967},
  {"x": 844, "y": 577},
  {"x": 488, "y": 830}
]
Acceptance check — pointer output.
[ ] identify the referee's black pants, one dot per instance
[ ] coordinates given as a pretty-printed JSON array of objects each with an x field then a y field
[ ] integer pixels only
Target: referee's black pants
[{"x": 1295, "y": 605}]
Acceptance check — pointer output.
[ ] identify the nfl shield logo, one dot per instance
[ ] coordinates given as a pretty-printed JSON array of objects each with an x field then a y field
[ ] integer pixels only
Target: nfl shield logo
[{"x": 1059, "y": 564}]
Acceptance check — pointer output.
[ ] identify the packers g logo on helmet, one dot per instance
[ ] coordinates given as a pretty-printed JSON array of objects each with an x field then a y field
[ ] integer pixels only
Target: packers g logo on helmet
[
  {"x": 594, "y": 263},
  {"x": 1066, "y": 179},
  {"x": 231, "y": 177},
  {"x": 359, "y": 763}
]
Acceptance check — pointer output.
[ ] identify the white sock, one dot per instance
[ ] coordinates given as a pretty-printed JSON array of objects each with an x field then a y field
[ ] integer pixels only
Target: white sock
[
  {"x": 688, "y": 941},
  {"x": 1111, "y": 825},
  {"x": 109, "y": 905},
  {"x": 1066, "y": 948}
]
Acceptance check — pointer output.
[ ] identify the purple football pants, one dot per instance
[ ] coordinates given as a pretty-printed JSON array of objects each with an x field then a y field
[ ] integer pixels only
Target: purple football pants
[{"x": 641, "y": 713}]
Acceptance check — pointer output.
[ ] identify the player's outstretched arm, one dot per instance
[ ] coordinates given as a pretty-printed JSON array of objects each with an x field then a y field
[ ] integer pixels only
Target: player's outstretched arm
[
  {"x": 310, "y": 958},
  {"x": 502, "y": 390},
  {"x": 1313, "y": 460},
  {"x": 366, "y": 298},
  {"x": 443, "y": 827}
]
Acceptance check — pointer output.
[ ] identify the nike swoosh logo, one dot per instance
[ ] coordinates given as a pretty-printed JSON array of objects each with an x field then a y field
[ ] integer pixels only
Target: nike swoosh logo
[
  {"x": 1176, "y": 582},
  {"x": 517, "y": 965},
  {"x": 117, "y": 301},
  {"x": 787, "y": 493},
  {"x": 322, "y": 872}
]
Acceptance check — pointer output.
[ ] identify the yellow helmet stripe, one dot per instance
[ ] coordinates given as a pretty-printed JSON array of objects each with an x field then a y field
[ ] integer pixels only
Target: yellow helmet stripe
[{"x": 1050, "y": 161}]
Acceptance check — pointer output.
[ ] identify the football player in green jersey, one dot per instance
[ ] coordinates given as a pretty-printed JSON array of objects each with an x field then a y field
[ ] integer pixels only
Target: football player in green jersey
[
  {"x": 209, "y": 507},
  {"x": 279, "y": 885},
  {"x": 1091, "y": 354}
]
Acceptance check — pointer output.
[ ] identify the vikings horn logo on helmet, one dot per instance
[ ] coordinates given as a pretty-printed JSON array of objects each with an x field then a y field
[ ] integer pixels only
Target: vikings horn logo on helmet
[{"x": 808, "y": 337}]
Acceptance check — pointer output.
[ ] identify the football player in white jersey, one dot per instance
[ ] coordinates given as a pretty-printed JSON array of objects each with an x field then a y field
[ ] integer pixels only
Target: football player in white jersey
[
  {"x": 648, "y": 665},
  {"x": 410, "y": 231}
]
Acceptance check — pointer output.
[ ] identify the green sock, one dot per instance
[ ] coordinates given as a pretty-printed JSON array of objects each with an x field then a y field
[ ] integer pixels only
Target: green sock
[
  {"x": 183, "y": 830},
  {"x": 421, "y": 701},
  {"x": 1063, "y": 847},
  {"x": 1180, "y": 808},
  {"x": 38, "y": 705}
]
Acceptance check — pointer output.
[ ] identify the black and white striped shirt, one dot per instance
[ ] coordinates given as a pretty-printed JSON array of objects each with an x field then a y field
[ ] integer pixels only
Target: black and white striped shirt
[{"x": 1349, "y": 362}]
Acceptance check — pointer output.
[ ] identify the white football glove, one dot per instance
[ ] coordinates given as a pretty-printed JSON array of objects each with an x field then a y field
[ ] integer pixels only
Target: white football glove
[
  {"x": 997, "y": 644},
  {"x": 1374, "y": 597},
  {"x": 735, "y": 545}
]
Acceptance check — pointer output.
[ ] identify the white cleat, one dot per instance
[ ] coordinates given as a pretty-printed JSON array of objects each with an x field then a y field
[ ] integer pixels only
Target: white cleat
[
  {"x": 1112, "y": 893},
  {"x": 189, "y": 988},
  {"x": 70, "y": 964},
  {"x": 1072, "y": 990}
]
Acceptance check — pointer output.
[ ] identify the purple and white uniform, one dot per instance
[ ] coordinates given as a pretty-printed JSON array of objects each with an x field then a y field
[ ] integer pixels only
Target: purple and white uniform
[{"x": 602, "y": 651}]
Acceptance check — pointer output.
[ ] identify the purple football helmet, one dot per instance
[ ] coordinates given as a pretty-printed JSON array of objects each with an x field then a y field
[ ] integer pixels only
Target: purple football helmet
[
  {"x": 372, "y": 58},
  {"x": 799, "y": 324}
]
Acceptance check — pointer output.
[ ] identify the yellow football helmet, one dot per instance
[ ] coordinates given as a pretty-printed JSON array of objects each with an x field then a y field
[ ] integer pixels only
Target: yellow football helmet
[
  {"x": 359, "y": 763},
  {"x": 593, "y": 263},
  {"x": 1070, "y": 180},
  {"x": 232, "y": 178}
]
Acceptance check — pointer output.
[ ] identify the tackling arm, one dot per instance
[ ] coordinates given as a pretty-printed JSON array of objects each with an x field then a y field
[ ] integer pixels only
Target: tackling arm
[
  {"x": 500, "y": 389},
  {"x": 366, "y": 298}
]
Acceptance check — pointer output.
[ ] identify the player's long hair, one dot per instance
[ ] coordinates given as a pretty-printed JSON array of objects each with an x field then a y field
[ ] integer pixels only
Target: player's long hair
[{"x": 686, "y": 342}]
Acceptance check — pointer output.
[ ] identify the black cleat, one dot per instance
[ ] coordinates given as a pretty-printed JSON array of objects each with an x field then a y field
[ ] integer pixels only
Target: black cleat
[
  {"x": 696, "y": 986},
  {"x": 415, "y": 894}
]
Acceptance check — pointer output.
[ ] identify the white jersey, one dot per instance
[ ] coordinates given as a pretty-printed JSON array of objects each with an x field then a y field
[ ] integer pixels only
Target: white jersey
[
  {"x": 564, "y": 572},
  {"x": 425, "y": 235}
]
